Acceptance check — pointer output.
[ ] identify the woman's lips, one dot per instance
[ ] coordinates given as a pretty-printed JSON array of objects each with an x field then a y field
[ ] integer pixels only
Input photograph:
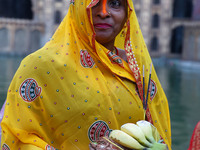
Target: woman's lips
[{"x": 102, "y": 26}]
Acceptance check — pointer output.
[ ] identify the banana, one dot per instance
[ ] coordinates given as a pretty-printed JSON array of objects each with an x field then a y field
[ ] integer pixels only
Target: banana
[
  {"x": 136, "y": 132},
  {"x": 147, "y": 130},
  {"x": 125, "y": 140},
  {"x": 156, "y": 134},
  {"x": 159, "y": 146}
]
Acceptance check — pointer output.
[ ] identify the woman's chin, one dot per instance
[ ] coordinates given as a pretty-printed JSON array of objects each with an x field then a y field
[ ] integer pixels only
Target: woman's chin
[
  {"x": 103, "y": 41},
  {"x": 104, "y": 38}
]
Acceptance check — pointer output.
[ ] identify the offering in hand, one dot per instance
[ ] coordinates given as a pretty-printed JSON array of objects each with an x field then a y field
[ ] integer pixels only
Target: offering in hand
[{"x": 138, "y": 136}]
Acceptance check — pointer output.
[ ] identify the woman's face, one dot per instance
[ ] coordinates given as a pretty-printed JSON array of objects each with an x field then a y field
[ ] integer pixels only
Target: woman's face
[{"x": 109, "y": 17}]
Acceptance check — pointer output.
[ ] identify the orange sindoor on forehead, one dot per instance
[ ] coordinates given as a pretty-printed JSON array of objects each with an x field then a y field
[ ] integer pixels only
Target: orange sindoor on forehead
[{"x": 104, "y": 6}]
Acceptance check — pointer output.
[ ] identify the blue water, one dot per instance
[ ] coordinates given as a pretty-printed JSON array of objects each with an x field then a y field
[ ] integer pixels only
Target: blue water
[{"x": 181, "y": 85}]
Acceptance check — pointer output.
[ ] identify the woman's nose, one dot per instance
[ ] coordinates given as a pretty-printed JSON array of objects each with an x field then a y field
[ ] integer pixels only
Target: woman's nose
[{"x": 103, "y": 13}]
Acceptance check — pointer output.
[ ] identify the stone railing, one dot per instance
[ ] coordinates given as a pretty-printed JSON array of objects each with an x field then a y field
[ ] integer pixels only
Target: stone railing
[{"x": 19, "y": 36}]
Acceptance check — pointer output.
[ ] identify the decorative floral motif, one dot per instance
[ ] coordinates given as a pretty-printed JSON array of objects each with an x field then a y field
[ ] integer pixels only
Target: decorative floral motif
[
  {"x": 86, "y": 59},
  {"x": 98, "y": 129},
  {"x": 48, "y": 147},
  {"x": 29, "y": 90},
  {"x": 149, "y": 117},
  {"x": 115, "y": 59},
  {"x": 153, "y": 89},
  {"x": 5, "y": 147},
  {"x": 133, "y": 64}
]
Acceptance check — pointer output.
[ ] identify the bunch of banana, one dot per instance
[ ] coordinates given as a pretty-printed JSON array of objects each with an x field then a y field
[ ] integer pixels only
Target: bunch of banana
[{"x": 137, "y": 136}]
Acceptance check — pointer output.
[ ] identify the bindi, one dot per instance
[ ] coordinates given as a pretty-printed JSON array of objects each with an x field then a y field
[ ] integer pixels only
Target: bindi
[{"x": 104, "y": 6}]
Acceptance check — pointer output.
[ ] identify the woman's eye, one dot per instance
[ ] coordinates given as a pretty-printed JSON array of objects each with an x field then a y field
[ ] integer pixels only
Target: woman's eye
[{"x": 115, "y": 3}]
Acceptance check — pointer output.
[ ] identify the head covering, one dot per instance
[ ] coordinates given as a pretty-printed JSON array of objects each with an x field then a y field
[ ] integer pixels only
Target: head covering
[{"x": 71, "y": 91}]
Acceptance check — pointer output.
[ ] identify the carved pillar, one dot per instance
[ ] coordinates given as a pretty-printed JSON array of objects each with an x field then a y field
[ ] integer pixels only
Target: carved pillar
[
  {"x": 165, "y": 34},
  {"x": 145, "y": 19},
  {"x": 12, "y": 38}
]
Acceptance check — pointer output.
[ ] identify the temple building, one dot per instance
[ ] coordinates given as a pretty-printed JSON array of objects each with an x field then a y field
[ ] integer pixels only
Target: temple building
[
  {"x": 170, "y": 27},
  {"x": 26, "y": 25}
]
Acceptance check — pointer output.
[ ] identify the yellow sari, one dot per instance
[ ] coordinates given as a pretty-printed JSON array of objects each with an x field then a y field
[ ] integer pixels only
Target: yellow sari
[{"x": 73, "y": 90}]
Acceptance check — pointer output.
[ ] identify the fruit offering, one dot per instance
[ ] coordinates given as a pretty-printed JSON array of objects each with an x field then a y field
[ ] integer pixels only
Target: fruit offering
[{"x": 139, "y": 136}]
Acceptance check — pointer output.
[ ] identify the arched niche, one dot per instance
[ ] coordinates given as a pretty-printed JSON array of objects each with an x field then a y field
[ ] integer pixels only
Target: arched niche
[
  {"x": 154, "y": 43},
  {"x": 57, "y": 17},
  {"x": 156, "y": 2},
  {"x": 4, "y": 37},
  {"x": 20, "y": 41},
  {"x": 155, "y": 21},
  {"x": 35, "y": 40},
  {"x": 177, "y": 40}
]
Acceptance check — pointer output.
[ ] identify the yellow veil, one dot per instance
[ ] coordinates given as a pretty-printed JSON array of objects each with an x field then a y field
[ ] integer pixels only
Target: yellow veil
[{"x": 66, "y": 93}]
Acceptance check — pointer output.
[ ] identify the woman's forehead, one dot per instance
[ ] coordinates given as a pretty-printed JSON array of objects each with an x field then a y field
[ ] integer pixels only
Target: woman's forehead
[{"x": 105, "y": 2}]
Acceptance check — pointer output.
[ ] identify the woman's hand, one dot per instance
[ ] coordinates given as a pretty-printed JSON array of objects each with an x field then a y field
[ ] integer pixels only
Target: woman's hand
[{"x": 105, "y": 144}]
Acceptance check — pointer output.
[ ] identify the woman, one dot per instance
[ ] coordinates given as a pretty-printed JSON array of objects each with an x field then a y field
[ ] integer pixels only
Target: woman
[{"x": 79, "y": 87}]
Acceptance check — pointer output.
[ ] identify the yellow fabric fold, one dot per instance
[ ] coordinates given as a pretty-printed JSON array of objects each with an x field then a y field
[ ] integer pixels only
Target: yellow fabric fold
[{"x": 69, "y": 93}]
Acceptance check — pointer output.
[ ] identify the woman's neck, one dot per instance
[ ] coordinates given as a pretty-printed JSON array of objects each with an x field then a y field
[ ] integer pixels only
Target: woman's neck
[{"x": 110, "y": 46}]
